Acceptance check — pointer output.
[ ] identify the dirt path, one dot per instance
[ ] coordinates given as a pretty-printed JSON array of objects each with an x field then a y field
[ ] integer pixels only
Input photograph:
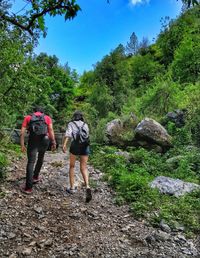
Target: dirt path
[{"x": 51, "y": 223}]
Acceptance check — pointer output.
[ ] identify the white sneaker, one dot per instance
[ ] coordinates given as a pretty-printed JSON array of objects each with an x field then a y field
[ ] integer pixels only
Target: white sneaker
[{"x": 71, "y": 190}]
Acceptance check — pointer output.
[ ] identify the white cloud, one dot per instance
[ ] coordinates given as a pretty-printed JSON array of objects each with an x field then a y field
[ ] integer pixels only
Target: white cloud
[{"x": 135, "y": 2}]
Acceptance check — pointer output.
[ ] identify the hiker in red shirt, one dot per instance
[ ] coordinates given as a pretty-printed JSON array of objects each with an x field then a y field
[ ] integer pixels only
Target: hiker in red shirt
[{"x": 41, "y": 131}]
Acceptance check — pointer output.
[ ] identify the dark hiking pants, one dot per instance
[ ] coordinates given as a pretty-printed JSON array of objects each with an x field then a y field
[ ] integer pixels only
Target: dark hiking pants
[{"x": 35, "y": 150}]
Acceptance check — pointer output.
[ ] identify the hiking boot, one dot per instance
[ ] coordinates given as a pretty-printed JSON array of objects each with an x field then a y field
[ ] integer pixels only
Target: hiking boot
[
  {"x": 26, "y": 190},
  {"x": 37, "y": 179},
  {"x": 88, "y": 195},
  {"x": 71, "y": 190}
]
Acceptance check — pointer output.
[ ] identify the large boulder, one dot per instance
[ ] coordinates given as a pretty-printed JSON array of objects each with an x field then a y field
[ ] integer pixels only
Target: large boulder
[
  {"x": 120, "y": 132},
  {"x": 151, "y": 132},
  {"x": 172, "y": 186},
  {"x": 113, "y": 130}
]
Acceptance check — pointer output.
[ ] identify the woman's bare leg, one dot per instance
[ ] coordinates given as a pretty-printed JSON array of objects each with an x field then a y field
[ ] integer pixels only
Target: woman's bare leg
[
  {"x": 83, "y": 168},
  {"x": 72, "y": 160}
]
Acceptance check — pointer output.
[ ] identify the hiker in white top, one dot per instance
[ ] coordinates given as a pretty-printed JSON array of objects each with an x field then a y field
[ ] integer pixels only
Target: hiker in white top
[{"x": 78, "y": 132}]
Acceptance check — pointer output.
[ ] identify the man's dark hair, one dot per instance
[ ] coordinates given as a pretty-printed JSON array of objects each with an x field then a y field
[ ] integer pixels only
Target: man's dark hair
[
  {"x": 77, "y": 116},
  {"x": 38, "y": 109}
]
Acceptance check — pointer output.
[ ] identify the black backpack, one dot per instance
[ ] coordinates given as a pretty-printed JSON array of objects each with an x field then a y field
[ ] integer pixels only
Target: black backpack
[
  {"x": 37, "y": 125},
  {"x": 81, "y": 137}
]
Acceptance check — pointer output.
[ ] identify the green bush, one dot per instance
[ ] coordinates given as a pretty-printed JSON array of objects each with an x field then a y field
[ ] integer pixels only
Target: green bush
[
  {"x": 186, "y": 64},
  {"x": 131, "y": 180},
  {"x": 181, "y": 136},
  {"x": 3, "y": 164}
]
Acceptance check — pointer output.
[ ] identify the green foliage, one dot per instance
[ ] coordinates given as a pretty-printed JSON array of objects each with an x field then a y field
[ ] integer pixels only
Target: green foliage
[
  {"x": 181, "y": 211},
  {"x": 143, "y": 70},
  {"x": 159, "y": 99},
  {"x": 181, "y": 136},
  {"x": 98, "y": 134},
  {"x": 131, "y": 179},
  {"x": 186, "y": 64},
  {"x": 8, "y": 150},
  {"x": 56, "y": 86},
  {"x": 3, "y": 164},
  {"x": 101, "y": 99},
  {"x": 17, "y": 76},
  {"x": 175, "y": 31},
  {"x": 111, "y": 79},
  {"x": 85, "y": 86}
]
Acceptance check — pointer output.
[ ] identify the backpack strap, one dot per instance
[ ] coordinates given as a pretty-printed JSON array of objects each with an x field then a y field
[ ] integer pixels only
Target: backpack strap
[{"x": 78, "y": 126}]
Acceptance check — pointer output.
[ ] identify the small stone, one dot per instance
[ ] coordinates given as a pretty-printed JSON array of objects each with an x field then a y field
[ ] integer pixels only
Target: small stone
[
  {"x": 49, "y": 242},
  {"x": 27, "y": 251},
  {"x": 38, "y": 209},
  {"x": 186, "y": 251},
  {"x": 27, "y": 235},
  {"x": 150, "y": 239},
  {"x": 180, "y": 238},
  {"x": 161, "y": 236},
  {"x": 13, "y": 256},
  {"x": 83, "y": 209},
  {"x": 165, "y": 227},
  {"x": 32, "y": 243},
  {"x": 11, "y": 235}
]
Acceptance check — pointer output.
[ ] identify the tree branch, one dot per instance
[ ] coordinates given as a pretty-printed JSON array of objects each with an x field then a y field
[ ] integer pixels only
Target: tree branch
[
  {"x": 29, "y": 26},
  {"x": 16, "y": 23},
  {"x": 44, "y": 12}
]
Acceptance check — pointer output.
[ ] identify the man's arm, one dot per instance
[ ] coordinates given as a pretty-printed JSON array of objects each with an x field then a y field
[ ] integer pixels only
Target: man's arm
[
  {"x": 52, "y": 136},
  {"x": 22, "y": 135}
]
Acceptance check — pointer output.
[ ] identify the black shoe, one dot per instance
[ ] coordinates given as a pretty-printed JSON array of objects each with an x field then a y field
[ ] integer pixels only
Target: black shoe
[{"x": 88, "y": 195}]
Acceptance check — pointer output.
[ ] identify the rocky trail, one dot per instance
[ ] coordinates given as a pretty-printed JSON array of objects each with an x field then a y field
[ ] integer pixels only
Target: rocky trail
[{"x": 52, "y": 223}]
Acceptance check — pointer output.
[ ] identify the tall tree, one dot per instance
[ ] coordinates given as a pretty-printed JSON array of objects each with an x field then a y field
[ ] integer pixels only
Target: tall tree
[
  {"x": 55, "y": 86},
  {"x": 190, "y": 3},
  {"x": 132, "y": 46},
  {"x": 143, "y": 46}
]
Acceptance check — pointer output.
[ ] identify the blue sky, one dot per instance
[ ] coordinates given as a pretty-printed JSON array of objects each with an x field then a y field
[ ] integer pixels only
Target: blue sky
[{"x": 101, "y": 27}]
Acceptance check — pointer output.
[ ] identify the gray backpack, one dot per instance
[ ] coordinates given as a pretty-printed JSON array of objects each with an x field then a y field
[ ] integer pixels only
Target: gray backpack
[
  {"x": 37, "y": 125},
  {"x": 81, "y": 137}
]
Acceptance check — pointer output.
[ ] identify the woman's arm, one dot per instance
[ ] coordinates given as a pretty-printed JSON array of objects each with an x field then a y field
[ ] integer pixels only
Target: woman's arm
[{"x": 64, "y": 147}]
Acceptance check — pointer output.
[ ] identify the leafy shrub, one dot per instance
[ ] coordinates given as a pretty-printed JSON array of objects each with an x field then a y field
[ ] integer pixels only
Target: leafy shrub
[
  {"x": 144, "y": 69},
  {"x": 159, "y": 98},
  {"x": 3, "y": 164},
  {"x": 186, "y": 64},
  {"x": 131, "y": 179},
  {"x": 181, "y": 136}
]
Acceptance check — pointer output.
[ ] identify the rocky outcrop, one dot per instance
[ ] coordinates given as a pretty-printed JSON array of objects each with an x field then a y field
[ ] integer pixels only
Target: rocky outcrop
[
  {"x": 172, "y": 186},
  {"x": 148, "y": 134},
  {"x": 152, "y": 133},
  {"x": 113, "y": 131}
]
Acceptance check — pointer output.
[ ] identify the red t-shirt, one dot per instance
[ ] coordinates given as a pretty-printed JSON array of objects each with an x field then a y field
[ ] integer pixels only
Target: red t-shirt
[{"x": 27, "y": 119}]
